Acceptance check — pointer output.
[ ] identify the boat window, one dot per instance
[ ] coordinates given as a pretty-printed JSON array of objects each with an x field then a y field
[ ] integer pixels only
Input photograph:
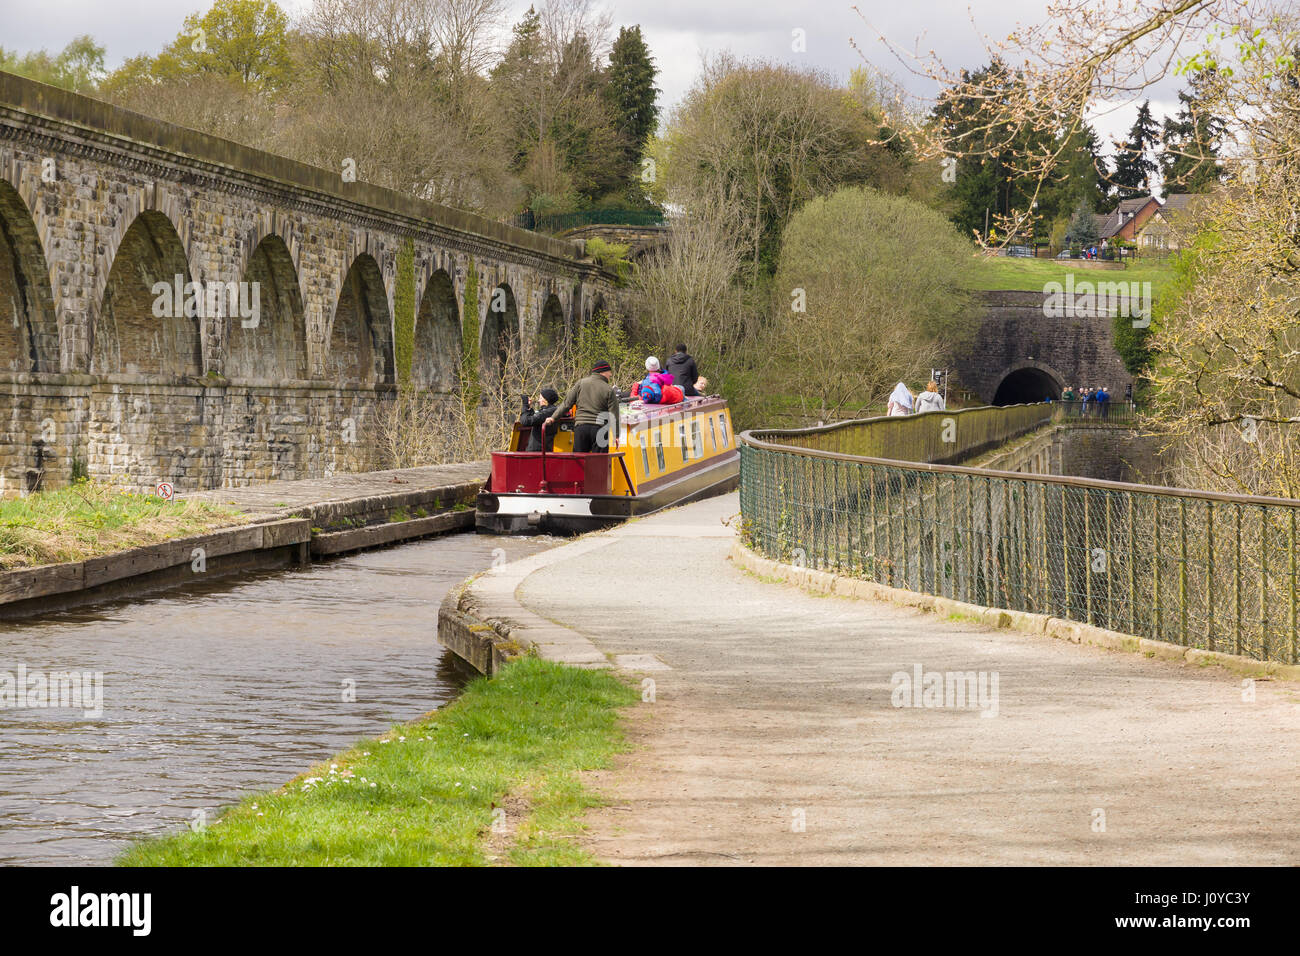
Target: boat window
[
  {"x": 681, "y": 438},
  {"x": 659, "y": 449},
  {"x": 713, "y": 434},
  {"x": 722, "y": 420},
  {"x": 697, "y": 438},
  {"x": 645, "y": 453}
]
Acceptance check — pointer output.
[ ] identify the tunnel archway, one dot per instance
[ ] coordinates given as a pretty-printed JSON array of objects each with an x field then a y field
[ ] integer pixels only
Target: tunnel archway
[
  {"x": 29, "y": 331},
  {"x": 437, "y": 336},
  {"x": 1028, "y": 385}
]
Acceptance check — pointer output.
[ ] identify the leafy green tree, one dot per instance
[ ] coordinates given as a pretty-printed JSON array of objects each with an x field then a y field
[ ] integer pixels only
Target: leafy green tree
[
  {"x": 857, "y": 309},
  {"x": 1189, "y": 154},
  {"x": 633, "y": 100},
  {"x": 78, "y": 67},
  {"x": 766, "y": 138},
  {"x": 1133, "y": 164},
  {"x": 244, "y": 41}
]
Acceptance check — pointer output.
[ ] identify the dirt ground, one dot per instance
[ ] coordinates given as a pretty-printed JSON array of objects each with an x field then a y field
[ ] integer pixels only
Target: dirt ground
[{"x": 773, "y": 735}]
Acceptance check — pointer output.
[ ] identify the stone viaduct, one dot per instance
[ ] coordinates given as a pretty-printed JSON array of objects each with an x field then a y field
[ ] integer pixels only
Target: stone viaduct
[
  {"x": 1024, "y": 354},
  {"x": 105, "y": 371}
]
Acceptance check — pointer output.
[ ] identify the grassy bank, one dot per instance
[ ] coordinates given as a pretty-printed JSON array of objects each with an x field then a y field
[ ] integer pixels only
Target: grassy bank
[
  {"x": 1029, "y": 275},
  {"x": 89, "y": 519},
  {"x": 426, "y": 793}
]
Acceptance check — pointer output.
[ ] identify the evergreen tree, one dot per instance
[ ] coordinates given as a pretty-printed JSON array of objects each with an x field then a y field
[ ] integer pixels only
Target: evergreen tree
[
  {"x": 1189, "y": 156},
  {"x": 633, "y": 100},
  {"x": 1083, "y": 227},
  {"x": 1133, "y": 164}
]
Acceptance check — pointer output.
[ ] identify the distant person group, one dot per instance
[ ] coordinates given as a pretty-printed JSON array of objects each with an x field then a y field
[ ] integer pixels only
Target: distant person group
[
  {"x": 1092, "y": 401},
  {"x": 595, "y": 402},
  {"x": 903, "y": 402}
]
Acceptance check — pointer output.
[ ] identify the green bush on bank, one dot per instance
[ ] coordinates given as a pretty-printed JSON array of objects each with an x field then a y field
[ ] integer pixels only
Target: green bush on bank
[{"x": 425, "y": 794}]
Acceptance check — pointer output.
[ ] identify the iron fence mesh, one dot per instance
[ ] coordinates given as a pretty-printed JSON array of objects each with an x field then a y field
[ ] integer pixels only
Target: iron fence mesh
[{"x": 1201, "y": 570}]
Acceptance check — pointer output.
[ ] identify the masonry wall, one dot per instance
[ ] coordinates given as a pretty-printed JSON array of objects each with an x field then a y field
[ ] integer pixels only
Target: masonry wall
[
  {"x": 98, "y": 206},
  {"x": 1014, "y": 334},
  {"x": 1107, "y": 453}
]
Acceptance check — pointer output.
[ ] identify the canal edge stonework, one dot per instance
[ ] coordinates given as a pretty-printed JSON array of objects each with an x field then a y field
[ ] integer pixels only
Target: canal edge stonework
[{"x": 483, "y": 623}]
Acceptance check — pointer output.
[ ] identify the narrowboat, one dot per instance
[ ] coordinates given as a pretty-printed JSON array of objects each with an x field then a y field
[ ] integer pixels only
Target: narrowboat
[{"x": 666, "y": 455}]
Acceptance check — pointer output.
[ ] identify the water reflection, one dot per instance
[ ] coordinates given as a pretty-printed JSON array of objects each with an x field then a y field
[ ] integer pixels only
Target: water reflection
[{"x": 224, "y": 688}]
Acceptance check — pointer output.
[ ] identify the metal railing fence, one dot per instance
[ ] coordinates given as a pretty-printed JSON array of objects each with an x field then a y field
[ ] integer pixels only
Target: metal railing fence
[{"x": 1197, "y": 569}]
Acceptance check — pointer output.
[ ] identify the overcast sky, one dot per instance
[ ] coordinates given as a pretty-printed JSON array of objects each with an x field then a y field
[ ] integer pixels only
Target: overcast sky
[{"x": 679, "y": 33}]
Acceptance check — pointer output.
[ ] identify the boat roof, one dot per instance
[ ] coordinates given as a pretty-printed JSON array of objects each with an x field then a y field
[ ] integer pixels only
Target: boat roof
[{"x": 634, "y": 412}]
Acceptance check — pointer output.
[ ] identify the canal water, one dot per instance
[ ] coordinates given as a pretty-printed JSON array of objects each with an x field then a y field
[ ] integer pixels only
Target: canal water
[{"x": 221, "y": 689}]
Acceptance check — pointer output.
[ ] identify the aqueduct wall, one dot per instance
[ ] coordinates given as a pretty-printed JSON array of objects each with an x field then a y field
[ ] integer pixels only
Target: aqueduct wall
[{"x": 104, "y": 372}]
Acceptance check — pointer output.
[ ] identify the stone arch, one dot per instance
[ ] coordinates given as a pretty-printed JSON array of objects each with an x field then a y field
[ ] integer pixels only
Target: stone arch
[
  {"x": 436, "y": 358},
  {"x": 29, "y": 327},
  {"x": 270, "y": 345},
  {"x": 500, "y": 327},
  {"x": 552, "y": 331},
  {"x": 361, "y": 342},
  {"x": 1030, "y": 382},
  {"x": 143, "y": 327}
]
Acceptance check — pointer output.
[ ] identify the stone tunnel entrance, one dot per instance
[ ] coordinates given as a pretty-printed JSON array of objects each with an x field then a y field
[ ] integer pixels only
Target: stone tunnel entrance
[{"x": 1027, "y": 385}]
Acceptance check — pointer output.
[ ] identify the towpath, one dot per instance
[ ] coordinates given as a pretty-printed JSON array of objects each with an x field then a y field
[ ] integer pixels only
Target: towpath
[{"x": 773, "y": 738}]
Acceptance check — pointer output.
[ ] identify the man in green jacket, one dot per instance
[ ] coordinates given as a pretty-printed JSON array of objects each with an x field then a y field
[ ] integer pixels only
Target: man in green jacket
[{"x": 597, "y": 416}]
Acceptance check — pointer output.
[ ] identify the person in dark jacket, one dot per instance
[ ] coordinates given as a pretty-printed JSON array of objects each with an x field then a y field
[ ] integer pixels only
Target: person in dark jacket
[
  {"x": 682, "y": 368},
  {"x": 533, "y": 420},
  {"x": 596, "y": 420}
]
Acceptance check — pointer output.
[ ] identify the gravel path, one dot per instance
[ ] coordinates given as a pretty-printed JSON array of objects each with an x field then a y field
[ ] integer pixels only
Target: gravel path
[{"x": 772, "y": 737}]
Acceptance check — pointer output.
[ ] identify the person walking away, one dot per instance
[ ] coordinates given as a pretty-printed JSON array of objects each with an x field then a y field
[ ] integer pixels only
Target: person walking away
[
  {"x": 1102, "y": 398},
  {"x": 900, "y": 400},
  {"x": 930, "y": 400},
  {"x": 597, "y": 411},
  {"x": 534, "y": 420},
  {"x": 682, "y": 368}
]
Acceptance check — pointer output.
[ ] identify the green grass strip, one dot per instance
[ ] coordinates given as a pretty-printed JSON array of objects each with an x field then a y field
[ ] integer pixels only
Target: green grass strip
[
  {"x": 91, "y": 518},
  {"x": 424, "y": 795}
]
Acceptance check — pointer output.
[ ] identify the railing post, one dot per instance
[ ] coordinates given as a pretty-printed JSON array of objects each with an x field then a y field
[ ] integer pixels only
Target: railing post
[
  {"x": 1182, "y": 570},
  {"x": 1210, "y": 640},
  {"x": 1263, "y": 584},
  {"x": 1291, "y": 590},
  {"x": 1132, "y": 564},
  {"x": 1087, "y": 557},
  {"x": 1065, "y": 557},
  {"x": 1236, "y": 579},
  {"x": 1155, "y": 571}
]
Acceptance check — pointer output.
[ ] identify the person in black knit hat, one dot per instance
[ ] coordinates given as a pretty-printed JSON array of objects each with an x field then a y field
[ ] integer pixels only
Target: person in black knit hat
[{"x": 534, "y": 420}]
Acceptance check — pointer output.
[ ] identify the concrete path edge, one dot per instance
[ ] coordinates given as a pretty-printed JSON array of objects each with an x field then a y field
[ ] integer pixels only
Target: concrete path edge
[{"x": 825, "y": 582}]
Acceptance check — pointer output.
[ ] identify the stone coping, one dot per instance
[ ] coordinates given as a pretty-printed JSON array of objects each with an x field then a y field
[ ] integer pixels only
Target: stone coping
[
  {"x": 48, "y": 580},
  {"x": 825, "y": 582},
  {"x": 483, "y": 623},
  {"x": 242, "y": 163}
]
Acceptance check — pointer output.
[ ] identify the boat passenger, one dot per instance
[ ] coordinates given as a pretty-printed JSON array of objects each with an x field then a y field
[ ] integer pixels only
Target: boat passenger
[
  {"x": 533, "y": 419},
  {"x": 597, "y": 411},
  {"x": 654, "y": 374},
  {"x": 682, "y": 368}
]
